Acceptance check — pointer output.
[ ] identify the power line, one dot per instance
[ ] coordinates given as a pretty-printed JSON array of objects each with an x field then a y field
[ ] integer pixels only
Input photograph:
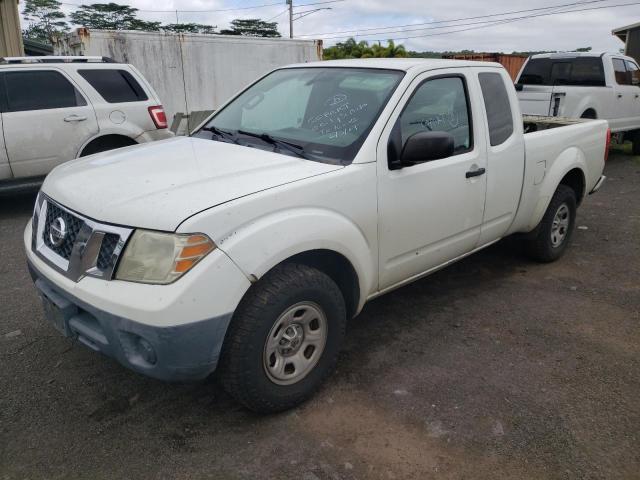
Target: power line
[
  {"x": 278, "y": 15},
  {"x": 499, "y": 22},
  {"x": 252, "y": 7},
  {"x": 453, "y": 20},
  {"x": 317, "y": 3}
]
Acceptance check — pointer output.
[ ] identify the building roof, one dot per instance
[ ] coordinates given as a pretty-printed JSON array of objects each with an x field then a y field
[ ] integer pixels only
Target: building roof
[{"x": 621, "y": 32}]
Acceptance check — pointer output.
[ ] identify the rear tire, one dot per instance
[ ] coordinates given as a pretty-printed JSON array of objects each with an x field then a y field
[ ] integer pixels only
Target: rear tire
[
  {"x": 634, "y": 136},
  {"x": 549, "y": 240},
  {"x": 284, "y": 339}
]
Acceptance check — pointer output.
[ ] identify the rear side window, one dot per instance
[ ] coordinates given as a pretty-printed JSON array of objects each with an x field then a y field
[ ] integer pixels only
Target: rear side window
[
  {"x": 39, "y": 90},
  {"x": 578, "y": 72},
  {"x": 115, "y": 86},
  {"x": 622, "y": 76},
  {"x": 633, "y": 69},
  {"x": 497, "y": 106}
]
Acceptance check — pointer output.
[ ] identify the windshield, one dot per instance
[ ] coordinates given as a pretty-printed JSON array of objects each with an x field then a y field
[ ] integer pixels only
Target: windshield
[{"x": 321, "y": 114}]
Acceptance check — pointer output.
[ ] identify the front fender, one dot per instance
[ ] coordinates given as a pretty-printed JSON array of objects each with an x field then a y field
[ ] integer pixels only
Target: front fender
[
  {"x": 261, "y": 244},
  {"x": 569, "y": 159}
]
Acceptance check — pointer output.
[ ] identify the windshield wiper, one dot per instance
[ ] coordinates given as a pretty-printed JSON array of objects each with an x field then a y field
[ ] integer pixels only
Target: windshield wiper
[
  {"x": 265, "y": 137},
  {"x": 222, "y": 134}
]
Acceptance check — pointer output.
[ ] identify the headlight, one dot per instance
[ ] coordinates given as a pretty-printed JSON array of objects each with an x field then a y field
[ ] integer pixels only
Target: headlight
[{"x": 161, "y": 258}]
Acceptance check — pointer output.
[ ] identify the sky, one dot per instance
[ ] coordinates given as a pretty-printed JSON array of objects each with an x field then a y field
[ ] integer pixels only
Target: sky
[{"x": 566, "y": 31}]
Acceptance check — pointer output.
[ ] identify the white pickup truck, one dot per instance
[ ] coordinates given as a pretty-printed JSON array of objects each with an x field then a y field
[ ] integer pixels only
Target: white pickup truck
[
  {"x": 321, "y": 186},
  {"x": 584, "y": 85}
]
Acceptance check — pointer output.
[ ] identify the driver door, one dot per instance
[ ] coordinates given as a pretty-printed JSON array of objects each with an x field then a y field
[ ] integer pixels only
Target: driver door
[{"x": 431, "y": 212}]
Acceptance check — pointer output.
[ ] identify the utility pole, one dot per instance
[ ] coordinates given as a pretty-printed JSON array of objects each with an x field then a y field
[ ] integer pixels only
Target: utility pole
[{"x": 290, "y": 3}]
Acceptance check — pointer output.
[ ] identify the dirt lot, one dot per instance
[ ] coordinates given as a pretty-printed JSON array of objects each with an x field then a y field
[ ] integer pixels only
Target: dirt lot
[{"x": 494, "y": 368}]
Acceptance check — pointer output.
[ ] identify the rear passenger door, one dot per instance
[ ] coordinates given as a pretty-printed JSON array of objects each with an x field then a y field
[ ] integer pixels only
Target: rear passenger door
[
  {"x": 123, "y": 103},
  {"x": 46, "y": 120},
  {"x": 505, "y": 154},
  {"x": 626, "y": 97},
  {"x": 633, "y": 72}
]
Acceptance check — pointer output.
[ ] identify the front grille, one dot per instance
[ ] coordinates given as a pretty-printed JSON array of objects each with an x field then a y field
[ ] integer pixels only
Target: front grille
[
  {"x": 109, "y": 244},
  {"x": 82, "y": 259},
  {"x": 73, "y": 224}
]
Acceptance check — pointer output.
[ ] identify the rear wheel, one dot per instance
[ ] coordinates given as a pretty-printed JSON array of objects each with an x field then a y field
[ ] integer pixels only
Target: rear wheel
[
  {"x": 284, "y": 339},
  {"x": 635, "y": 142},
  {"x": 552, "y": 235}
]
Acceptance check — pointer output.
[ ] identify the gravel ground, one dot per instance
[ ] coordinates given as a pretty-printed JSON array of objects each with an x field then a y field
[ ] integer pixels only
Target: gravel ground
[{"x": 493, "y": 368}]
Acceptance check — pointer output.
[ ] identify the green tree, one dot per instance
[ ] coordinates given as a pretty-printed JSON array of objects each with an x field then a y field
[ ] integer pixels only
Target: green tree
[
  {"x": 394, "y": 51},
  {"x": 188, "y": 28},
  {"x": 253, "y": 27},
  {"x": 111, "y": 16},
  {"x": 46, "y": 20},
  {"x": 353, "y": 49}
]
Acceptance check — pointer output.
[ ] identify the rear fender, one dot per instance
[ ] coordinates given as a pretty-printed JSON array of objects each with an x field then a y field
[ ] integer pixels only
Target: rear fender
[{"x": 569, "y": 159}]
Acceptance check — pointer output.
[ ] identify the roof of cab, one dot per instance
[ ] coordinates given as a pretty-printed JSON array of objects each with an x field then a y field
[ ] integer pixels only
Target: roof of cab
[
  {"x": 576, "y": 54},
  {"x": 404, "y": 64}
]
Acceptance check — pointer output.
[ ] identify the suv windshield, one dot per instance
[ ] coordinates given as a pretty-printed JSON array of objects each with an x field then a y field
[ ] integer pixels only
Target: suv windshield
[
  {"x": 576, "y": 71},
  {"x": 321, "y": 114}
]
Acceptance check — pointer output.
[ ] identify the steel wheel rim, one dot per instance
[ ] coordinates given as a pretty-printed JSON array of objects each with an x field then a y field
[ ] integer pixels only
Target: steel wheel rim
[
  {"x": 295, "y": 343},
  {"x": 560, "y": 225}
]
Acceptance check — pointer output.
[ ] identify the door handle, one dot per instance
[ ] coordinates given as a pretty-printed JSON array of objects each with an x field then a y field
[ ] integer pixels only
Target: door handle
[
  {"x": 619, "y": 95},
  {"x": 75, "y": 118},
  {"x": 475, "y": 173}
]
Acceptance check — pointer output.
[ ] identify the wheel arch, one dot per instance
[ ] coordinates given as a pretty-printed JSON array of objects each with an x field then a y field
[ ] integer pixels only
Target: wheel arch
[
  {"x": 589, "y": 112},
  {"x": 575, "y": 179},
  {"x": 339, "y": 269},
  {"x": 106, "y": 142}
]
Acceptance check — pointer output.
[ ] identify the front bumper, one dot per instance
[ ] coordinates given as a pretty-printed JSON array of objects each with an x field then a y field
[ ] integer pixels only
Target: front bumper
[
  {"x": 173, "y": 353},
  {"x": 171, "y": 332}
]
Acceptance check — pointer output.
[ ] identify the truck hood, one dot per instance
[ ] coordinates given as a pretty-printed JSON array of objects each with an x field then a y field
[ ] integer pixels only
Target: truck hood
[{"x": 160, "y": 184}]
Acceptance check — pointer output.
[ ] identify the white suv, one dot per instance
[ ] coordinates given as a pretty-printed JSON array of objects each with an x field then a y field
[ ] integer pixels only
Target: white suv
[{"x": 54, "y": 109}]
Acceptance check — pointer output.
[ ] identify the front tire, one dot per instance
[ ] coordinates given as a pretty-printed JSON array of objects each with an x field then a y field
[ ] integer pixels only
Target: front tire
[
  {"x": 284, "y": 339},
  {"x": 549, "y": 240}
]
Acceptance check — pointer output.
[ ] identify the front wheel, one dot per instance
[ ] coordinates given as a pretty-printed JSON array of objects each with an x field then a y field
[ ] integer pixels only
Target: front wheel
[
  {"x": 552, "y": 235},
  {"x": 284, "y": 339}
]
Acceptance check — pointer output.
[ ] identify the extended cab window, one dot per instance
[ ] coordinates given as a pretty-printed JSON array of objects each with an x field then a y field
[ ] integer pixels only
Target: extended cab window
[
  {"x": 440, "y": 105},
  {"x": 497, "y": 106},
  {"x": 115, "y": 86},
  {"x": 577, "y": 72},
  {"x": 39, "y": 90}
]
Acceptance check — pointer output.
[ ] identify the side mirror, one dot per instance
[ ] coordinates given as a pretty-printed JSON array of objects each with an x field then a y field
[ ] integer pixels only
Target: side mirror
[{"x": 426, "y": 146}]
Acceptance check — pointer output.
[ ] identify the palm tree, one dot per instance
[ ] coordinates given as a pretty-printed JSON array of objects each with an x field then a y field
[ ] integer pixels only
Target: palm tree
[{"x": 393, "y": 51}]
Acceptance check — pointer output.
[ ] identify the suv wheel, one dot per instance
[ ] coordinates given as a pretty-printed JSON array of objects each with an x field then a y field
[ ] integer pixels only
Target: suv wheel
[
  {"x": 284, "y": 339},
  {"x": 552, "y": 235}
]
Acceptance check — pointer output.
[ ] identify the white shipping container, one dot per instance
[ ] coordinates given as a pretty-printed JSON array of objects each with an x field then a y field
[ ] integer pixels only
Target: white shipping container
[{"x": 191, "y": 72}]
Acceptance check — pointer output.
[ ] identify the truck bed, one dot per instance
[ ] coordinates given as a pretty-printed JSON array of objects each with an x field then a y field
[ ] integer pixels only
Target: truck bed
[{"x": 535, "y": 123}]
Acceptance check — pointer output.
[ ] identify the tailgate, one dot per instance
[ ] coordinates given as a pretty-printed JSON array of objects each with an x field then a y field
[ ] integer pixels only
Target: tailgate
[{"x": 535, "y": 102}]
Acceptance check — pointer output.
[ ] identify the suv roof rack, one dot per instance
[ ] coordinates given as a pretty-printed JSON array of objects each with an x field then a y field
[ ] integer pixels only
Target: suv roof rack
[{"x": 55, "y": 59}]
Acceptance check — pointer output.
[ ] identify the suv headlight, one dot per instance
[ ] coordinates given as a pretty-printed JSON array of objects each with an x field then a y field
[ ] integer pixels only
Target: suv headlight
[{"x": 161, "y": 258}]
